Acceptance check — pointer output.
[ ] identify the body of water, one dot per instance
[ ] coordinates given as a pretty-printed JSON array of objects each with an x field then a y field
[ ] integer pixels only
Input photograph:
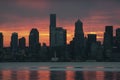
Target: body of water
[{"x": 55, "y": 71}]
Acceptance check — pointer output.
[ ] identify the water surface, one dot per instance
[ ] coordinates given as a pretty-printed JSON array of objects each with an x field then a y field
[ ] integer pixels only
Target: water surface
[{"x": 70, "y": 72}]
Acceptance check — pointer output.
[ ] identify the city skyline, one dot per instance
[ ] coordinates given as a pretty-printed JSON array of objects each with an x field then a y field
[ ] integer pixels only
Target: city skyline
[
  {"x": 21, "y": 16},
  {"x": 68, "y": 41},
  {"x": 81, "y": 47}
]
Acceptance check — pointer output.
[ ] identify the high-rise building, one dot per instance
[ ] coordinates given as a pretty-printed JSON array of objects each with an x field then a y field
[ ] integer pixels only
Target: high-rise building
[
  {"x": 78, "y": 40},
  {"x": 53, "y": 20},
  {"x": 14, "y": 42},
  {"x": 60, "y": 36},
  {"x": 118, "y": 37},
  {"x": 34, "y": 40},
  {"x": 92, "y": 38},
  {"x": 109, "y": 33},
  {"x": 57, "y": 38},
  {"x": 52, "y": 30},
  {"x": 91, "y": 43},
  {"x": 1, "y": 40},
  {"x": 108, "y": 37},
  {"x": 22, "y": 43},
  {"x": 108, "y": 41}
]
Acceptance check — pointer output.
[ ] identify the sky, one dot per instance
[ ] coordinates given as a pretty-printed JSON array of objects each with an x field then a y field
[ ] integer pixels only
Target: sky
[{"x": 22, "y": 15}]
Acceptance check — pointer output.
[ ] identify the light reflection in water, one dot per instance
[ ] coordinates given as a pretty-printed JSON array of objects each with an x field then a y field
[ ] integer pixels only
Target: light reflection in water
[
  {"x": 68, "y": 74},
  {"x": 5, "y": 75},
  {"x": 23, "y": 75},
  {"x": 100, "y": 75},
  {"x": 43, "y": 75}
]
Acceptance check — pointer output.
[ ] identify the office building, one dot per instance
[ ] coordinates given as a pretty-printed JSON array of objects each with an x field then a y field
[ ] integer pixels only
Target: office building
[
  {"x": 109, "y": 34},
  {"x": 22, "y": 43},
  {"x": 118, "y": 38},
  {"x": 34, "y": 44},
  {"x": 1, "y": 40},
  {"x": 91, "y": 45},
  {"x": 92, "y": 38},
  {"x": 78, "y": 40},
  {"x": 14, "y": 42},
  {"x": 52, "y": 30},
  {"x": 108, "y": 41},
  {"x": 60, "y": 36}
]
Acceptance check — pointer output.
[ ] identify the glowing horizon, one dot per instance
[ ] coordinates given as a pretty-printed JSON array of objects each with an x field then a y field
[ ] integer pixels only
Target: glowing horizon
[
  {"x": 22, "y": 15},
  {"x": 43, "y": 36}
]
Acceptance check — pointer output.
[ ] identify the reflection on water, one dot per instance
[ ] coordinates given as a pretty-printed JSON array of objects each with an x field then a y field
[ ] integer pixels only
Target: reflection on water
[
  {"x": 48, "y": 74},
  {"x": 5, "y": 74},
  {"x": 23, "y": 75},
  {"x": 70, "y": 75},
  {"x": 43, "y": 75},
  {"x": 100, "y": 75}
]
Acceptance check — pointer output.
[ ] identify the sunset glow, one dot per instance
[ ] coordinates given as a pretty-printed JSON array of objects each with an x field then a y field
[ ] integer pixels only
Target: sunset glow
[{"x": 21, "y": 16}]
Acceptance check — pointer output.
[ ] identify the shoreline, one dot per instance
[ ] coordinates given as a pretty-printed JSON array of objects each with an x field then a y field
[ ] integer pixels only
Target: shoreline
[{"x": 61, "y": 64}]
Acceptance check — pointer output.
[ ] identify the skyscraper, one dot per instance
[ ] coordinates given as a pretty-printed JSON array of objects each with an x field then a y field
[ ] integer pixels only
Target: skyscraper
[
  {"x": 53, "y": 20},
  {"x": 118, "y": 37},
  {"x": 60, "y": 36},
  {"x": 34, "y": 40},
  {"x": 91, "y": 45},
  {"x": 108, "y": 41},
  {"x": 92, "y": 38},
  {"x": 52, "y": 30},
  {"x": 1, "y": 40},
  {"x": 14, "y": 42},
  {"x": 78, "y": 40},
  {"x": 22, "y": 43},
  {"x": 109, "y": 33}
]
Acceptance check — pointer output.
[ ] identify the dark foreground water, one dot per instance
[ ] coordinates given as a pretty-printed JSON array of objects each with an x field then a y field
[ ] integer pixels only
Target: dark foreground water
[{"x": 72, "y": 72}]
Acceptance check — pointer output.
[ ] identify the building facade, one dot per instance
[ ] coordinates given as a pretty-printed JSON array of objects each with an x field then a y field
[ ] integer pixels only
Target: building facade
[
  {"x": 118, "y": 38},
  {"x": 78, "y": 40},
  {"x": 34, "y": 44},
  {"x": 52, "y": 30},
  {"x": 14, "y": 42},
  {"x": 22, "y": 43},
  {"x": 60, "y": 36},
  {"x": 1, "y": 40},
  {"x": 108, "y": 41}
]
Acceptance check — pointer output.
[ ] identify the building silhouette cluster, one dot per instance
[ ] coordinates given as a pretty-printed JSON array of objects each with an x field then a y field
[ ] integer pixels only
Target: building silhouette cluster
[{"x": 81, "y": 48}]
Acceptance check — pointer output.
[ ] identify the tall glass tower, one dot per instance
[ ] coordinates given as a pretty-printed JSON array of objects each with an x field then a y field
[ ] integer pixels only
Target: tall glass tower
[
  {"x": 34, "y": 40},
  {"x": 1, "y": 40},
  {"x": 78, "y": 40},
  {"x": 52, "y": 30},
  {"x": 14, "y": 42}
]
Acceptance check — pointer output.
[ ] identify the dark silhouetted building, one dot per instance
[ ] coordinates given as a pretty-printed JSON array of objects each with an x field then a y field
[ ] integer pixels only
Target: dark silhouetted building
[
  {"x": 1, "y": 45},
  {"x": 1, "y": 40},
  {"x": 14, "y": 42},
  {"x": 44, "y": 52},
  {"x": 78, "y": 40},
  {"x": 60, "y": 36},
  {"x": 91, "y": 43},
  {"x": 34, "y": 44},
  {"x": 108, "y": 36},
  {"x": 92, "y": 38},
  {"x": 57, "y": 38},
  {"x": 108, "y": 41},
  {"x": 118, "y": 38},
  {"x": 52, "y": 30},
  {"x": 109, "y": 31},
  {"x": 22, "y": 43}
]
